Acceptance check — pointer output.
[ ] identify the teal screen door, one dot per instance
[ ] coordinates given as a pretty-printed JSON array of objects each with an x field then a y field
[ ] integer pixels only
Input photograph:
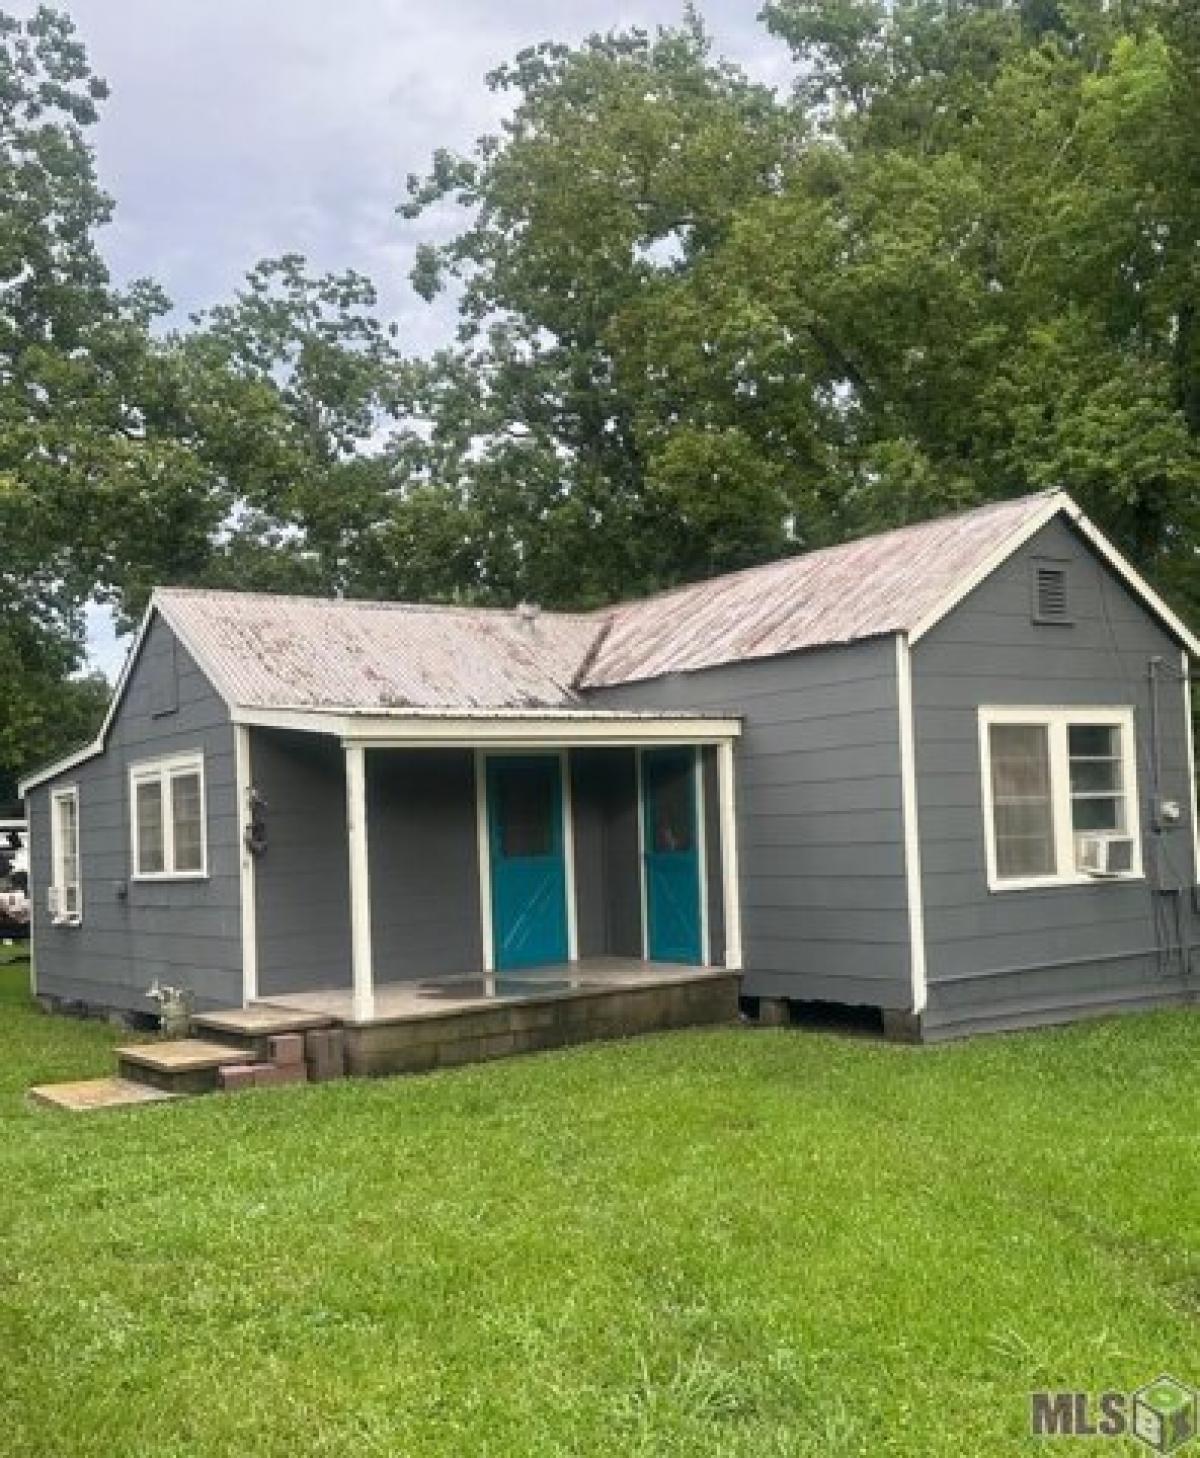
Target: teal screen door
[
  {"x": 529, "y": 881},
  {"x": 672, "y": 855}
]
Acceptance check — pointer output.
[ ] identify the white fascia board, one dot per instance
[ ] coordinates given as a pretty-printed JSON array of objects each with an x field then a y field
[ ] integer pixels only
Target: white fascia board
[
  {"x": 59, "y": 767},
  {"x": 496, "y": 729},
  {"x": 1133, "y": 578},
  {"x": 559, "y": 732},
  {"x": 89, "y": 751},
  {"x": 306, "y": 720},
  {"x": 1054, "y": 504},
  {"x": 1060, "y": 503}
]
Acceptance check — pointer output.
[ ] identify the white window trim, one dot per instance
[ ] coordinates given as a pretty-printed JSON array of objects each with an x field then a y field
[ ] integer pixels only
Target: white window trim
[
  {"x": 57, "y": 882},
  {"x": 1058, "y": 720},
  {"x": 164, "y": 770}
]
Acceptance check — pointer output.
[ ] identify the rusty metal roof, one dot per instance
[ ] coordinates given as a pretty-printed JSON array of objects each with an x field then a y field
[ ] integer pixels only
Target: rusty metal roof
[
  {"x": 274, "y": 653},
  {"x": 268, "y": 651},
  {"x": 277, "y": 652},
  {"x": 879, "y": 585}
]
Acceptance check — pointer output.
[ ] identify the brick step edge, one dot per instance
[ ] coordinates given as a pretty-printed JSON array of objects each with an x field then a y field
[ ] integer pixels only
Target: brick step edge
[{"x": 239, "y": 1076}]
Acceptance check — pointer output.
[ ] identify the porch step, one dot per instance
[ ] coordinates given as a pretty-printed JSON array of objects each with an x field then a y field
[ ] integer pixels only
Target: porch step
[
  {"x": 250, "y": 1027},
  {"x": 90, "y": 1094},
  {"x": 187, "y": 1066}
]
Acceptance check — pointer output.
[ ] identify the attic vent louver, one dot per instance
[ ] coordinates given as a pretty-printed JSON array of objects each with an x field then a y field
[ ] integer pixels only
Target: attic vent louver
[{"x": 1050, "y": 601}]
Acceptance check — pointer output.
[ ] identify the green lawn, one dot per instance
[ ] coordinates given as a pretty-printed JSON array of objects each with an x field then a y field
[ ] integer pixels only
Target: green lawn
[{"x": 726, "y": 1243}]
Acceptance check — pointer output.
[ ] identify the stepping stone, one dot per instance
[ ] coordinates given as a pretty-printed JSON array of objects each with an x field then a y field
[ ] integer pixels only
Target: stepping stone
[{"x": 98, "y": 1093}]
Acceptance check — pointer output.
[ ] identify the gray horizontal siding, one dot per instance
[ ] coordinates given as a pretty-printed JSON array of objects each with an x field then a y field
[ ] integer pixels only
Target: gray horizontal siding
[
  {"x": 422, "y": 854},
  {"x": 302, "y": 879},
  {"x": 607, "y": 882},
  {"x": 1010, "y": 958},
  {"x": 424, "y": 860},
  {"x": 183, "y": 932},
  {"x": 824, "y": 907}
]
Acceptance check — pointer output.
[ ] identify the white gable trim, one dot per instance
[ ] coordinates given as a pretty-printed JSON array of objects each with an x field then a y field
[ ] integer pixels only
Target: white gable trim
[
  {"x": 1059, "y": 504},
  {"x": 59, "y": 767},
  {"x": 89, "y": 751},
  {"x": 1137, "y": 583}
]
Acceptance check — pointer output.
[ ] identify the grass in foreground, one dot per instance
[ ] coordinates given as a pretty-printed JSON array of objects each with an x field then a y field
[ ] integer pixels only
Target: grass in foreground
[{"x": 719, "y": 1243}]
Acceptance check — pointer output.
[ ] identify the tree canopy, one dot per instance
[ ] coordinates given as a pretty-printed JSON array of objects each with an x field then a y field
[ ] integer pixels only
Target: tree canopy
[
  {"x": 959, "y": 261},
  {"x": 701, "y": 323}
]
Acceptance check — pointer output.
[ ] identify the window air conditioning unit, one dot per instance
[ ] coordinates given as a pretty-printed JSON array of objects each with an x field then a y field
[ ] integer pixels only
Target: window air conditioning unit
[
  {"x": 1104, "y": 855},
  {"x": 62, "y": 902}
]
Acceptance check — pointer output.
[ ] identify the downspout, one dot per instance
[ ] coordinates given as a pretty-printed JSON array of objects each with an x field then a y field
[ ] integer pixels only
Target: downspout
[{"x": 911, "y": 830}]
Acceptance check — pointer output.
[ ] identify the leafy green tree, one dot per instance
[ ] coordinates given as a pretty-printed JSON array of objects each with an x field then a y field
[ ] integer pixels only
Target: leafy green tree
[
  {"x": 60, "y": 331},
  {"x": 101, "y": 489},
  {"x": 1025, "y": 249},
  {"x": 310, "y": 359},
  {"x": 623, "y": 164},
  {"x": 701, "y": 326}
]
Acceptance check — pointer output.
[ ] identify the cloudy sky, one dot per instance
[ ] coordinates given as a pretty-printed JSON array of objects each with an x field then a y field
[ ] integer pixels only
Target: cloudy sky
[{"x": 240, "y": 129}]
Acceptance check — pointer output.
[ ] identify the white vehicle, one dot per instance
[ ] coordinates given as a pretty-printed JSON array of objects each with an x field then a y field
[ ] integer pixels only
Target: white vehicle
[{"x": 14, "y": 880}]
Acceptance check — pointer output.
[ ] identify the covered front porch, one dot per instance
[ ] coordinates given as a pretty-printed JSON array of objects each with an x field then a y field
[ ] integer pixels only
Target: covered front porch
[
  {"x": 395, "y": 1001},
  {"x": 423, "y": 867},
  {"x": 416, "y": 1027}
]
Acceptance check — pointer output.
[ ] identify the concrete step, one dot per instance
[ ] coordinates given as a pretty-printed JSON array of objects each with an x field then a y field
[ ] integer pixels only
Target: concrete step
[
  {"x": 88, "y": 1095},
  {"x": 186, "y": 1066},
  {"x": 251, "y": 1027}
]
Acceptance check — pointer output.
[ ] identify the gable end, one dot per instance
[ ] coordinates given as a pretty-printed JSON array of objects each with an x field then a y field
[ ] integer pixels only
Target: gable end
[{"x": 163, "y": 705}]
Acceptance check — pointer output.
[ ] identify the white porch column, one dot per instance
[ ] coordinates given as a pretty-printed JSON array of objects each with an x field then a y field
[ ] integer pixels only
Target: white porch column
[
  {"x": 246, "y": 864},
  {"x": 360, "y": 884},
  {"x": 729, "y": 856}
]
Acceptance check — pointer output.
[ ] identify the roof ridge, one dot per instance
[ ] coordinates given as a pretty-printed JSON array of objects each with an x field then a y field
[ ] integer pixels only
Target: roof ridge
[{"x": 371, "y": 603}]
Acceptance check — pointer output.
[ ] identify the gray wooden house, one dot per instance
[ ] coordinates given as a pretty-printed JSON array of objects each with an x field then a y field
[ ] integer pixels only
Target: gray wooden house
[{"x": 945, "y": 773}]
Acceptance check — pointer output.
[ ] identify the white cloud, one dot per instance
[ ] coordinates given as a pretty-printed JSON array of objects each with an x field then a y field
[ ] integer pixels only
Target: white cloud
[
  {"x": 245, "y": 128},
  {"x": 241, "y": 129}
]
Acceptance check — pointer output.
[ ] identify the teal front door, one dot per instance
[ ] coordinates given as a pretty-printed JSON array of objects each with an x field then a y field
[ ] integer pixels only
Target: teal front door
[
  {"x": 528, "y": 869},
  {"x": 672, "y": 855}
]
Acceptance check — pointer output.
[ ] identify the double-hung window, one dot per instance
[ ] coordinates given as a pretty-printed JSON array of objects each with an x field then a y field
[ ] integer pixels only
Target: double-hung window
[
  {"x": 170, "y": 840},
  {"x": 1059, "y": 795},
  {"x": 66, "y": 896}
]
